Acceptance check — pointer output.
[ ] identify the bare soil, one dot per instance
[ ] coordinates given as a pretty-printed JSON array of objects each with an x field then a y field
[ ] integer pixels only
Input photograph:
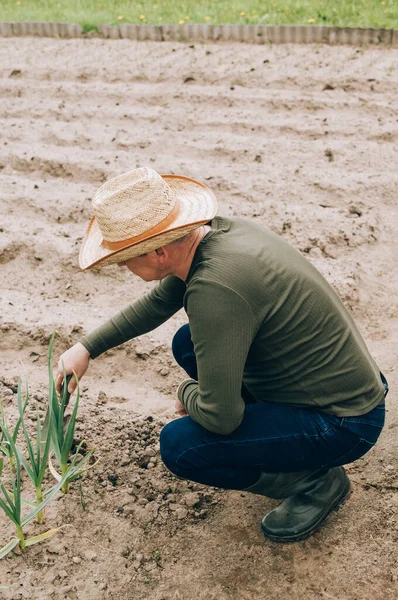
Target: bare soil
[{"x": 303, "y": 139}]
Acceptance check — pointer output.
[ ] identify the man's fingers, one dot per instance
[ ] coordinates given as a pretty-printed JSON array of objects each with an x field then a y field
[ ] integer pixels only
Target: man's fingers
[
  {"x": 70, "y": 381},
  {"x": 58, "y": 382},
  {"x": 72, "y": 385}
]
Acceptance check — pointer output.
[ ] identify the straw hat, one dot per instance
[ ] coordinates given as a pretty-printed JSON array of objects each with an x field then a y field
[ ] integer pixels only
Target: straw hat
[{"x": 141, "y": 211}]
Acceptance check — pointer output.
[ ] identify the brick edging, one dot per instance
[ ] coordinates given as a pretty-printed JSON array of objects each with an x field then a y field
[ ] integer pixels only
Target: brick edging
[{"x": 259, "y": 34}]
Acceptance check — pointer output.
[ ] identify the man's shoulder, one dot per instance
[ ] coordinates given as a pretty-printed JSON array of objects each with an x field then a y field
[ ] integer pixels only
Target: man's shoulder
[
  {"x": 234, "y": 257},
  {"x": 231, "y": 223}
]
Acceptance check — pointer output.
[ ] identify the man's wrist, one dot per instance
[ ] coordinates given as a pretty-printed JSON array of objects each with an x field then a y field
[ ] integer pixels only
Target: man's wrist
[
  {"x": 85, "y": 343},
  {"x": 184, "y": 385}
]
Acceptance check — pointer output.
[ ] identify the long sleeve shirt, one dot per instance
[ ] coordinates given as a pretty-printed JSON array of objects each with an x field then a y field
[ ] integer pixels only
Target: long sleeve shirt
[{"x": 259, "y": 313}]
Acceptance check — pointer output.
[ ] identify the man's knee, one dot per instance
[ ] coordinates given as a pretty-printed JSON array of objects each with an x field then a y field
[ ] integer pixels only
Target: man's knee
[
  {"x": 170, "y": 444},
  {"x": 181, "y": 343}
]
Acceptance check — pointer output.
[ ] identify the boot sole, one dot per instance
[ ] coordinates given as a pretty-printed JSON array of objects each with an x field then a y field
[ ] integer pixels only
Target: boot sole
[{"x": 343, "y": 496}]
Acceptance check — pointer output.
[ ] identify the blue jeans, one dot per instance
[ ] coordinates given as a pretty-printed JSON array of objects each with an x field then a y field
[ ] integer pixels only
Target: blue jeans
[{"x": 271, "y": 437}]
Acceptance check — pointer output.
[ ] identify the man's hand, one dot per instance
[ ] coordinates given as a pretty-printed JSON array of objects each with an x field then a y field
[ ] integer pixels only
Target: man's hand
[
  {"x": 180, "y": 409},
  {"x": 74, "y": 360}
]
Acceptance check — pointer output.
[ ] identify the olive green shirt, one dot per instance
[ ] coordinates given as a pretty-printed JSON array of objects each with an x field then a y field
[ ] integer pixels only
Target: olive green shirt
[{"x": 261, "y": 314}]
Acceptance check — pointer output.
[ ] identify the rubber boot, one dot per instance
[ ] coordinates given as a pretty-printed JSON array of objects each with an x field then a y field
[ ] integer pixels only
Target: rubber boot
[
  {"x": 302, "y": 513},
  {"x": 283, "y": 485}
]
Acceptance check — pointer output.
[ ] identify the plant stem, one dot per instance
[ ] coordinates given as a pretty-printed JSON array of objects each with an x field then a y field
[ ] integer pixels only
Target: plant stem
[
  {"x": 21, "y": 538},
  {"x": 39, "y": 500},
  {"x": 12, "y": 464},
  {"x": 65, "y": 487}
]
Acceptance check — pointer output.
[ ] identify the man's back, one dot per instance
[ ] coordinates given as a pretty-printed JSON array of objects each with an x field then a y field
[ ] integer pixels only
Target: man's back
[{"x": 305, "y": 348}]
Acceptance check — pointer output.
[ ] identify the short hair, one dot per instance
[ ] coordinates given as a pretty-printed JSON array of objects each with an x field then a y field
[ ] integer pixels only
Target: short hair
[{"x": 184, "y": 238}]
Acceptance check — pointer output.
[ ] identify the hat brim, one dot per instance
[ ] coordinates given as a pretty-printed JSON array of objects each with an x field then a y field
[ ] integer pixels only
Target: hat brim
[{"x": 197, "y": 205}]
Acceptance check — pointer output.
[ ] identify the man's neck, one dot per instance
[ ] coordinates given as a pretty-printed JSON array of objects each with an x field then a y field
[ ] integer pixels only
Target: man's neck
[{"x": 186, "y": 252}]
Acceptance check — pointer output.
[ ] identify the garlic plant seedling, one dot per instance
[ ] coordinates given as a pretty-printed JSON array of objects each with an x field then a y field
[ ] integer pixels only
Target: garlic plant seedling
[
  {"x": 62, "y": 435},
  {"x": 35, "y": 460},
  {"x": 4, "y": 446},
  {"x": 11, "y": 501},
  {"x": 39, "y": 450},
  {"x": 74, "y": 469},
  {"x": 37, "y": 453}
]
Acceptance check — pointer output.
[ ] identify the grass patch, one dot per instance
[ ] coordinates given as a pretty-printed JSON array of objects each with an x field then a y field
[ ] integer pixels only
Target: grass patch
[
  {"x": 90, "y": 13},
  {"x": 89, "y": 27}
]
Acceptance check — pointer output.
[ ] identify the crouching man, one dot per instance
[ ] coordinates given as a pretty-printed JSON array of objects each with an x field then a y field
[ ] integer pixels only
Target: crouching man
[{"x": 282, "y": 390}]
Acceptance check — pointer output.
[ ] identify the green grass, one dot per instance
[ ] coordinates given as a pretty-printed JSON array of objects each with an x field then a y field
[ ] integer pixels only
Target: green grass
[{"x": 342, "y": 13}]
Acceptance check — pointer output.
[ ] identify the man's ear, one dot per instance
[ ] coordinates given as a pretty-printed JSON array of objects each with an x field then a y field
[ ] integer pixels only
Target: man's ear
[{"x": 160, "y": 253}]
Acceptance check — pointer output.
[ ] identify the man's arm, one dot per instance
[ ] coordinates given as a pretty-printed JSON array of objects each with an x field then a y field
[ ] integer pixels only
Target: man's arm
[
  {"x": 222, "y": 327},
  {"x": 143, "y": 315}
]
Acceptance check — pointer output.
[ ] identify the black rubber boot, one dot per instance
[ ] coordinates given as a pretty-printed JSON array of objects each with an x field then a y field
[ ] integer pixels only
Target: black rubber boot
[
  {"x": 283, "y": 485},
  {"x": 303, "y": 512}
]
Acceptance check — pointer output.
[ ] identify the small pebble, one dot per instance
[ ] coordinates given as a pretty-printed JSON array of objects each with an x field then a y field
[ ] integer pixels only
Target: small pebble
[
  {"x": 149, "y": 452},
  {"x": 50, "y": 577},
  {"x": 181, "y": 513},
  {"x": 192, "y": 499},
  {"x": 65, "y": 589}
]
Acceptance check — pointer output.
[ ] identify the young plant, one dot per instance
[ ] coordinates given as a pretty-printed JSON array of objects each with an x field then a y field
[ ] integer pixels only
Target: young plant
[
  {"x": 62, "y": 436},
  {"x": 11, "y": 502},
  {"x": 37, "y": 452},
  {"x": 34, "y": 463},
  {"x": 4, "y": 445}
]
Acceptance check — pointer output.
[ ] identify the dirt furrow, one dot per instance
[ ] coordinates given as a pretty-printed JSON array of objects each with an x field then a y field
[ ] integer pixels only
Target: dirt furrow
[{"x": 300, "y": 138}]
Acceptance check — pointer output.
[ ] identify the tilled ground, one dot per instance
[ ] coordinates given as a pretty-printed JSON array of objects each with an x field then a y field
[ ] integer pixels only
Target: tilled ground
[{"x": 303, "y": 139}]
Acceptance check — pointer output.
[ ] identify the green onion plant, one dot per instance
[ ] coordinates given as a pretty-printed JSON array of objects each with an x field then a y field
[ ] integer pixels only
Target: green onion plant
[
  {"x": 62, "y": 435},
  {"x": 11, "y": 502},
  {"x": 54, "y": 436},
  {"x": 36, "y": 464},
  {"x": 4, "y": 445}
]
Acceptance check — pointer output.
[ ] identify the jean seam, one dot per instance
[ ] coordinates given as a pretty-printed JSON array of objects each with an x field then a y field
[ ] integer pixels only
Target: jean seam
[
  {"x": 279, "y": 437},
  {"x": 357, "y": 422},
  {"x": 362, "y": 439}
]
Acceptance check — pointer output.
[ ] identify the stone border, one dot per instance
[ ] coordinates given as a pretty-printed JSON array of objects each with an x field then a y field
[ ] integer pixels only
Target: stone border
[{"x": 258, "y": 34}]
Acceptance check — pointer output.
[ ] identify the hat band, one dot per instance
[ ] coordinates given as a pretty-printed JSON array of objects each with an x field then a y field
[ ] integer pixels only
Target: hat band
[{"x": 166, "y": 222}]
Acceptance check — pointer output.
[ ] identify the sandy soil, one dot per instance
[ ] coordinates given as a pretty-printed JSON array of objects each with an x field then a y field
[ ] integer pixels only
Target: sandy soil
[{"x": 303, "y": 139}]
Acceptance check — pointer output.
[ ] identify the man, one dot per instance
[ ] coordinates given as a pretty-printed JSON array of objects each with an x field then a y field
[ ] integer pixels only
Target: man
[{"x": 282, "y": 388}]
